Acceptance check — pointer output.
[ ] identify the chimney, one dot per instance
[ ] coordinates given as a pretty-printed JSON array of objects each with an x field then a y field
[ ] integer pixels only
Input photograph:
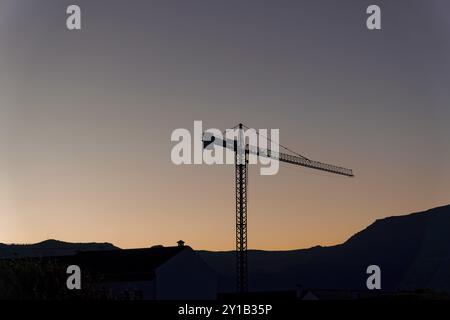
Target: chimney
[{"x": 180, "y": 243}]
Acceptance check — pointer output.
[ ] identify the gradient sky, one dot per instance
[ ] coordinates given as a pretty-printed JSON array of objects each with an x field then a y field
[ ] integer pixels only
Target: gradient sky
[{"x": 86, "y": 118}]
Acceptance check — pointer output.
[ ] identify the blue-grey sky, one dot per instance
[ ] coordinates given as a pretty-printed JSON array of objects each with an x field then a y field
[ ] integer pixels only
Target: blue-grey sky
[{"x": 86, "y": 117}]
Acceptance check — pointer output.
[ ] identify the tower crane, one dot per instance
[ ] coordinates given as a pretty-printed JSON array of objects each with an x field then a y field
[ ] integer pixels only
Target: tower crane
[{"x": 241, "y": 179}]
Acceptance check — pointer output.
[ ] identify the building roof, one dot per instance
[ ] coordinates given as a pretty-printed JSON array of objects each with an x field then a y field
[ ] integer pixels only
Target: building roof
[
  {"x": 125, "y": 264},
  {"x": 328, "y": 294},
  {"x": 342, "y": 294}
]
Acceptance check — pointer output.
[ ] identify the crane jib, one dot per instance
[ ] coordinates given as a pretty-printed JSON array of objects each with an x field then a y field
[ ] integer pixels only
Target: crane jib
[{"x": 283, "y": 157}]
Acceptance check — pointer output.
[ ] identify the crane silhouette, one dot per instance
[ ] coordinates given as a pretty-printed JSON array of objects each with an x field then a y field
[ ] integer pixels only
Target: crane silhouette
[{"x": 241, "y": 157}]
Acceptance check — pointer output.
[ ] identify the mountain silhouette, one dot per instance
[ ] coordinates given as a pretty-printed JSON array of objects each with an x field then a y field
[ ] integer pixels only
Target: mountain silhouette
[
  {"x": 413, "y": 252},
  {"x": 50, "y": 248}
]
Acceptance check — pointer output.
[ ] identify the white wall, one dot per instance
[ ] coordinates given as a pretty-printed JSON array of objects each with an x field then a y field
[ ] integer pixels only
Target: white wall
[{"x": 186, "y": 277}]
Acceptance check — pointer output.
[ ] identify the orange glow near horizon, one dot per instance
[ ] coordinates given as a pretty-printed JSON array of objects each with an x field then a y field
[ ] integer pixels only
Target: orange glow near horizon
[{"x": 86, "y": 119}]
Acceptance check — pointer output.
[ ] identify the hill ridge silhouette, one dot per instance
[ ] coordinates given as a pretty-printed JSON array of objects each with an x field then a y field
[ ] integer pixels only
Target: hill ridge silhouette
[{"x": 412, "y": 250}]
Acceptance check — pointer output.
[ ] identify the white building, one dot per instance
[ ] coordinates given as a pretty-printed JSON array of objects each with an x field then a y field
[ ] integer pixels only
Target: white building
[{"x": 157, "y": 273}]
